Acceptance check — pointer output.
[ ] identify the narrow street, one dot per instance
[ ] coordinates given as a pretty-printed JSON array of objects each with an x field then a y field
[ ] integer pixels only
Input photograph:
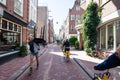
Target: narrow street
[{"x": 53, "y": 67}]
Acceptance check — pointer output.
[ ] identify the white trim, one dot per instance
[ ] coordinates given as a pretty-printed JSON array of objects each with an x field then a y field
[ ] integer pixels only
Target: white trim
[
  {"x": 113, "y": 16},
  {"x": 79, "y": 26},
  {"x": 100, "y": 38},
  {"x": 114, "y": 36},
  {"x": 106, "y": 28}
]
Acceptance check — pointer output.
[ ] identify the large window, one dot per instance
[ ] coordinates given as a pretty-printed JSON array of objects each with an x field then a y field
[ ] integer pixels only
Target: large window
[
  {"x": 18, "y": 7},
  {"x": 110, "y": 36},
  {"x": 117, "y": 32},
  {"x": 103, "y": 37},
  {"x": 9, "y": 41}
]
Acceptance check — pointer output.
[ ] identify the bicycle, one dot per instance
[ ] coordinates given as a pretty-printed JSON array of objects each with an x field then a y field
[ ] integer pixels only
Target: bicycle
[
  {"x": 102, "y": 76},
  {"x": 67, "y": 53}
]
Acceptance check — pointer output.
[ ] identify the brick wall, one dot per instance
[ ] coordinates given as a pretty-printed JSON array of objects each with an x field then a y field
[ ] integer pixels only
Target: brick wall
[{"x": 10, "y": 9}]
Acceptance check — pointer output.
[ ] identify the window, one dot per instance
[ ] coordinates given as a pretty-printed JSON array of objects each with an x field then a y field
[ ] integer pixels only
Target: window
[
  {"x": 10, "y": 26},
  {"x": 117, "y": 32},
  {"x": 103, "y": 37},
  {"x": 12, "y": 40},
  {"x": 72, "y": 27},
  {"x": 72, "y": 17},
  {"x": 19, "y": 29},
  {"x": 77, "y": 17},
  {"x": 18, "y": 7},
  {"x": 4, "y": 24},
  {"x": 110, "y": 36},
  {"x": 77, "y": 8},
  {"x": 3, "y": 2},
  {"x": 15, "y": 27}
]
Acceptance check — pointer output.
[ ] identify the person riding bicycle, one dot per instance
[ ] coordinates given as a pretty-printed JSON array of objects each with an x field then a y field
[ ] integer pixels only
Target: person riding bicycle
[
  {"x": 111, "y": 62},
  {"x": 66, "y": 45}
]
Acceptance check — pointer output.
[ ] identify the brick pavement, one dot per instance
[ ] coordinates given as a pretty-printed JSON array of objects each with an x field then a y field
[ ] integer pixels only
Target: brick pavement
[
  {"x": 53, "y": 67},
  {"x": 11, "y": 67}
]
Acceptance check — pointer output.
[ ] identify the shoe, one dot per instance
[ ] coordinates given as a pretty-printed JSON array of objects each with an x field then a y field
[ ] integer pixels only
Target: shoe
[
  {"x": 30, "y": 70},
  {"x": 111, "y": 62},
  {"x": 37, "y": 66}
]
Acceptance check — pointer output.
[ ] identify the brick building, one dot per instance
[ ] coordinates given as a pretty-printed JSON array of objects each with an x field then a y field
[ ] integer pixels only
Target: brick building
[
  {"x": 13, "y": 23},
  {"x": 50, "y": 31},
  {"x": 73, "y": 17}
]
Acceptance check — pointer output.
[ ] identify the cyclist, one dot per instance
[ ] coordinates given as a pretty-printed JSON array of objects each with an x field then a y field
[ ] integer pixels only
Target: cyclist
[
  {"x": 111, "y": 62},
  {"x": 66, "y": 44}
]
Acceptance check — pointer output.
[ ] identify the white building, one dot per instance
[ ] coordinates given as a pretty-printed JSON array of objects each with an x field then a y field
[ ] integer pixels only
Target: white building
[{"x": 42, "y": 22}]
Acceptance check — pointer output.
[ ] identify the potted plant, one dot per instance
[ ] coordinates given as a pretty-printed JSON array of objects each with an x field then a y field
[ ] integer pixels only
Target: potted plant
[{"x": 23, "y": 50}]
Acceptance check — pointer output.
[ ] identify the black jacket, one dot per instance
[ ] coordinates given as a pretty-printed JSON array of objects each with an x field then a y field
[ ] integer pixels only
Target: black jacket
[{"x": 66, "y": 44}]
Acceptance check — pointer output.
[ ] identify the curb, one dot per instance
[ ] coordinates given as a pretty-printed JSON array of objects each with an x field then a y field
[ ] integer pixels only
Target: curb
[
  {"x": 85, "y": 69},
  {"x": 8, "y": 53},
  {"x": 17, "y": 74}
]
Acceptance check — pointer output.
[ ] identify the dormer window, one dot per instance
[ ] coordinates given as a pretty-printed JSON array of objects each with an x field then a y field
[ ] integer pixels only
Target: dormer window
[{"x": 77, "y": 8}]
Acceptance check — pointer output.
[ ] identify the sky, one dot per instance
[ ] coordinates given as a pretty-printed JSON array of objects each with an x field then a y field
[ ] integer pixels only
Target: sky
[{"x": 58, "y": 11}]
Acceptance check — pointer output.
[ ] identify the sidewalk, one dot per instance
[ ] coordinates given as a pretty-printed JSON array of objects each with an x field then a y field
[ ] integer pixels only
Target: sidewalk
[
  {"x": 89, "y": 62},
  {"x": 10, "y": 68}
]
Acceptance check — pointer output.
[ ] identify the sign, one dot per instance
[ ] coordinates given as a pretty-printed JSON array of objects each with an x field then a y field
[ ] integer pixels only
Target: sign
[{"x": 31, "y": 24}]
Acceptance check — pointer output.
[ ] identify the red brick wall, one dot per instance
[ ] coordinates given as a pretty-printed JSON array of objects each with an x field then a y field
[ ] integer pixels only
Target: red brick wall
[
  {"x": 25, "y": 35},
  {"x": 74, "y": 12},
  {"x": 10, "y": 9}
]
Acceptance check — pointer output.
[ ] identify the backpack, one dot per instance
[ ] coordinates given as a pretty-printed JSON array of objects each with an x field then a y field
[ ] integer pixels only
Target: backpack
[{"x": 31, "y": 46}]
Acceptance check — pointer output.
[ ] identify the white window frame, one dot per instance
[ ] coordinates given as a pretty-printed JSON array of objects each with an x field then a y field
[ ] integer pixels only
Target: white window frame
[
  {"x": 18, "y": 7},
  {"x": 72, "y": 27},
  {"x": 77, "y": 8},
  {"x": 72, "y": 17}
]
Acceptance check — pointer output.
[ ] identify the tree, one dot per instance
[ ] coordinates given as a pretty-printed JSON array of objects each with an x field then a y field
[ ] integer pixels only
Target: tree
[
  {"x": 72, "y": 40},
  {"x": 91, "y": 20}
]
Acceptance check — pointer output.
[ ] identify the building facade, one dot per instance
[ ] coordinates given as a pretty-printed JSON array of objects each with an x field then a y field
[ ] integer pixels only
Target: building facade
[
  {"x": 42, "y": 22},
  {"x": 74, "y": 16},
  {"x": 109, "y": 27},
  {"x": 14, "y": 20},
  {"x": 32, "y": 25},
  {"x": 50, "y": 31}
]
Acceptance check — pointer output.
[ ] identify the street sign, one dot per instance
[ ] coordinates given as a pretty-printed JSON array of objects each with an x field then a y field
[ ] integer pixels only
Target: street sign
[{"x": 32, "y": 24}]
